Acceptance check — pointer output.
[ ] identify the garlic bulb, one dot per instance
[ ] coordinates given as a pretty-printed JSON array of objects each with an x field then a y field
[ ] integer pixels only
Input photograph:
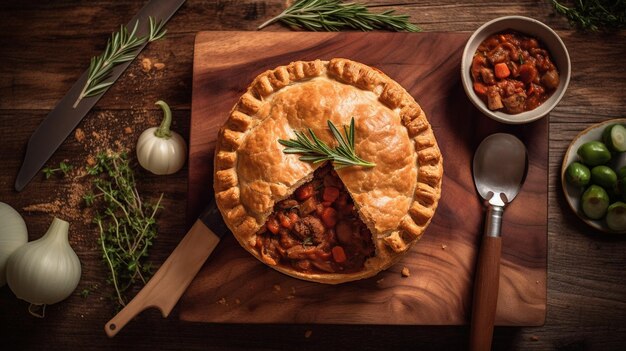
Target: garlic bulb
[
  {"x": 13, "y": 234},
  {"x": 160, "y": 150},
  {"x": 47, "y": 270}
]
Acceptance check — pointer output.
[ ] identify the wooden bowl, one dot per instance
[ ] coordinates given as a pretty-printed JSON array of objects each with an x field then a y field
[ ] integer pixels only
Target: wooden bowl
[{"x": 573, "y": 193}]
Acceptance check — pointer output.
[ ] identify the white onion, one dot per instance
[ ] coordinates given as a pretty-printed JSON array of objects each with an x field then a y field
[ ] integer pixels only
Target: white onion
[
  {"x": 45, "y": 271},
  {"x": 13, "y": 234}
]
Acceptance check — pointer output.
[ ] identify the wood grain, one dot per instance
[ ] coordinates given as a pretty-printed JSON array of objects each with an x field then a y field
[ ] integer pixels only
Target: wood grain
[
  {"x": 485, "y": 297},
  {"x": 442, "y": 264},
  {"x": 47, "y": 44}
]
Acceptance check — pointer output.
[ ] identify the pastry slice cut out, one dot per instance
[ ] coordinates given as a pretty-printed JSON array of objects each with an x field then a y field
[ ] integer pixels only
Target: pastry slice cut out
[{"x": 255, "y": 181}]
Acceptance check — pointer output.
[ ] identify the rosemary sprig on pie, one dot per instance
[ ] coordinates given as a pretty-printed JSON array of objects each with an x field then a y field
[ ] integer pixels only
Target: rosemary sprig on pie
[
  {"x": 335, "y": 15},
  {"x": 121, "y": 47},
  {"x": 315, "y": 150}
]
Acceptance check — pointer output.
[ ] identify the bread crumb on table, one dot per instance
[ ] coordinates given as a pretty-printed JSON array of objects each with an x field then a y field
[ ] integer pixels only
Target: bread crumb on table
[
  {"x": 79, "y": 135},
  {"x": 308, "y": 333},
  {"x": 534, "y": 338},
  {"x": 276, "y": 288},
  {"x": 222, "y": 301},
  {"x": 146, "y": 64},
  {"x": 405, "y": 272},
  {"x": 443, "y": 246},
  {"x": 49, "y": 207}
]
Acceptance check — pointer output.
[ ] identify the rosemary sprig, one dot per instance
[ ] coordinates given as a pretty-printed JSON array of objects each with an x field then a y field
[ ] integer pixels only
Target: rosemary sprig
[
  {"x": 315, "y": 150},
  {"x": 121, "y": 47},
  {"x": 594, "y": 15},
  {"x": 334, "y": 15},
  {"x": 126, "y": 224}
]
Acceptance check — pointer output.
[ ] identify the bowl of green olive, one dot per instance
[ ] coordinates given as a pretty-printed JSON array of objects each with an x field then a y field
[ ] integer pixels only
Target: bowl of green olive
[{"x": 593, "y": 175}]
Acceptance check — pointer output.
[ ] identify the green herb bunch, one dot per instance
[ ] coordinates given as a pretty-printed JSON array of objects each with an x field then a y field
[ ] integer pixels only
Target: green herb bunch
[
  {"x": 315, "y": 150},
  {"x": 121, "y": 47},
  {"x": 335, "y": 15},
  {"x": 126, "y": 224},
  {"x": 594, "y": 15}
]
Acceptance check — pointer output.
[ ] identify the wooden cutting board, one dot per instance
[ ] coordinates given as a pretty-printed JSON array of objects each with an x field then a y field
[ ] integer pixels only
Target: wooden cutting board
[{"x": 233, "y": 287}]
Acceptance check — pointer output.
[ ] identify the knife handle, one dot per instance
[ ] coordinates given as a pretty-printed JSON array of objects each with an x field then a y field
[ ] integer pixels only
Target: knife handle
[
  {"x": 486, "y": 284},
  {"x": 172, "y": 279}
]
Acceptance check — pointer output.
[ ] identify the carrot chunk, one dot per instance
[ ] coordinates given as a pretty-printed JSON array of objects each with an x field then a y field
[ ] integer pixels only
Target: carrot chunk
[
  {"x": 285, "y": 221},
  {"x": 339, "y": 255},
  {"x": 480, "y": 88},
  {"x": 272, "y": 225},
  {"x": 329, "y": 217},
  {"x": 304, "y": 192},
  {"x": 502, "y": 70}
]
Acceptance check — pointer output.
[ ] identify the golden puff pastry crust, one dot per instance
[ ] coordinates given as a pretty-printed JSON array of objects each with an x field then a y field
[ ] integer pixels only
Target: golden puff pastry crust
[{"x": 396, "y": 199}]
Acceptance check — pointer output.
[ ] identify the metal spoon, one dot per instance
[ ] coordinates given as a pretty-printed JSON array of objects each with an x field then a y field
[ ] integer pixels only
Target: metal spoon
[{"x": 500, "y": 166}]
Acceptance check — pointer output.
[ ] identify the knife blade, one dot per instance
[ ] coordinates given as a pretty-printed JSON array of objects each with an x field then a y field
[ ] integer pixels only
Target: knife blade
[
  {"x": 168, "y": 284},
  {"x": 60, "y": 122}
]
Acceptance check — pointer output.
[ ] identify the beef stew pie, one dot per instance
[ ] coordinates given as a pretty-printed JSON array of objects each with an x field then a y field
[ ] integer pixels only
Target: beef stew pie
[{"x": 310, "y": 220}]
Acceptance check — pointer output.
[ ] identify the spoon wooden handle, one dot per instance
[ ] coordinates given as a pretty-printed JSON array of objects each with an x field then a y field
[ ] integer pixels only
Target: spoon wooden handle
[{"x": 485, "y": 293}]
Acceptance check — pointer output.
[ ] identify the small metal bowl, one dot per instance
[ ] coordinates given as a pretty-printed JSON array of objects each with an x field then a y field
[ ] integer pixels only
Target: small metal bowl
[
  {"x": 531, "y": 27},
  {"x": 572, "y": 193}
]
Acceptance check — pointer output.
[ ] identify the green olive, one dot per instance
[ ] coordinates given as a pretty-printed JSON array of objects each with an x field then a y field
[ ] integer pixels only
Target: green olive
[
  {"x": 604, "y": 176},
  {"x": 614, "y": 137},
  {"x": 577, "y": 174},
  {"x": 594, "y": 153},
  {"x": 595, "y": 202},
  {"x": 616, "y": 216}
]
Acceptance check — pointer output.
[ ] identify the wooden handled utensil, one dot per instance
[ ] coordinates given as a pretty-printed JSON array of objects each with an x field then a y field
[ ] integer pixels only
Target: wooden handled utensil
[
  {"x": 500, "y": 165},
  {"x": 168, "y": 284}
]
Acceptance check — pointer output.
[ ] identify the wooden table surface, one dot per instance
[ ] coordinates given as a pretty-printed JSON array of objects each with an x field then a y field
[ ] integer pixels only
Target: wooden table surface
[{"x": 45, "y": 46}]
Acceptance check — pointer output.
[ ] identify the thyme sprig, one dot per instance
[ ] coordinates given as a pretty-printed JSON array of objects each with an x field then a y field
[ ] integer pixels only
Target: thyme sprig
[
  {"x": 121, "y": 47},
  {"x": 64, "y": 168},
  {"x": 315, "y": 150},
  {"x": 335, "y": 15},
  {"x": 126, "y": 224},
  {"x": 594, "y": 15}
]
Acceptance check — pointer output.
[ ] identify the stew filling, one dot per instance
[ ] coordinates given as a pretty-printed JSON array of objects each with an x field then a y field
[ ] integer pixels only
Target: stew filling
[
  {"x": 317, "y": 229},
  {"x": 513, "y": 73}
]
